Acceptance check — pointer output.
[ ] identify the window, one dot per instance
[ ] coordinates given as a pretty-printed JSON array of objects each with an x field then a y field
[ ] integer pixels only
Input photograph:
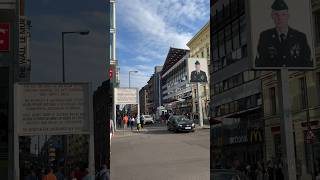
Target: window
[
  {"x": 317, "y": 26},
  {"x": 228, "y": 39},
  {"x": 243, "y": 35},
  {"x": 221, "y": 44},
  {"x": 225, "y": 85},
  {"x": 231, "y": 107},
  {"x": 273, "y": 103},
  {"x": 235, "y": 34},
  {"x": 202, "y": 54},
  {"x": 248, "y": 76},
  {"x": 303, "y": 92},
  {"x": 208, "y": 52}
]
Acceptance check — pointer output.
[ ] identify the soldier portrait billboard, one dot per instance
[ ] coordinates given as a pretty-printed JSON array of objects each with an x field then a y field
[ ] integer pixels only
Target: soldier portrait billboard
[
  {"x": 280, "y": 34},
  {"x": 198, "y": 70}
]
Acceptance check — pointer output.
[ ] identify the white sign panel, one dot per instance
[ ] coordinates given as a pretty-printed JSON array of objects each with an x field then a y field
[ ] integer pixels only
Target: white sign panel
[
  {"x": 45, "y": 108},
  {"x": 198, "y": 70},
  {"x": 126, "y": 96},
  {"x": 280, "y": 34}
]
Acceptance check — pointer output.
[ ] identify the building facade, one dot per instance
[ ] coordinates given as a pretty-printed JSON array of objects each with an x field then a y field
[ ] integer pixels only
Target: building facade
[
  {"x": 200, "y": 48},
  {"x": 176, "y": 91},
  {"x": 157, "y": 98},
  {"x": 236, "y": 98},
  {"x": 143, "y": 100}
]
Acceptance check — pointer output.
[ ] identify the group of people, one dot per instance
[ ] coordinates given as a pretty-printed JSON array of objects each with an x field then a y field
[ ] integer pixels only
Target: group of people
[
  {"x": 58, "y": 174},
  {"x": 270, "y": 170},
  {"x": 130, "y": 121}
]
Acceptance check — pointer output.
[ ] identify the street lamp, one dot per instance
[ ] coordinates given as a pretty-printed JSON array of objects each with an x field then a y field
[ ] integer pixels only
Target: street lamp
[
  {"x": 129, "y": 77},
  {"x": 83, "y": 33}
]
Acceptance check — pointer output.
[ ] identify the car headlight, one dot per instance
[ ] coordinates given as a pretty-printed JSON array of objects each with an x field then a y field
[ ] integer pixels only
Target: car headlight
[
  {"x": 193, "y": 125},
  {"x": 180, "y": 125}
]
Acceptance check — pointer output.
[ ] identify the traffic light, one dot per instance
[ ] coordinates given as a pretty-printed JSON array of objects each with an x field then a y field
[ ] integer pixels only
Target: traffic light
[{"x": 110, "y": 72}]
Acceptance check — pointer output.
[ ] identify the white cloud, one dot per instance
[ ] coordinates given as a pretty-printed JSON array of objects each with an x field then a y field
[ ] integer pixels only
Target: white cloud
[{"x": 158, "y": 25}]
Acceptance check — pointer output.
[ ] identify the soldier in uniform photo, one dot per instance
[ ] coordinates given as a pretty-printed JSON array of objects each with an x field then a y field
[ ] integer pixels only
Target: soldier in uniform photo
[
  {"x": 198, "y": 75},
  {"x": 282, "y": 45}
]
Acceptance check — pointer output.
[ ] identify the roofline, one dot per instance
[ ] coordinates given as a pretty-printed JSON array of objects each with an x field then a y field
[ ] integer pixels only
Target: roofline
[{"x": 198, "y": 33}]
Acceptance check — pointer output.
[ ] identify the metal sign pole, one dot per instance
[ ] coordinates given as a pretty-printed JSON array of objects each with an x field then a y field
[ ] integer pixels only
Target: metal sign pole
[
  {"x": 199, "y": 105},
  {"x": 114, "y": 109},
  {"x": 16, "y": 170},
  {"x": 287, "y": 141},
  {"x": 91, "y": 136}
]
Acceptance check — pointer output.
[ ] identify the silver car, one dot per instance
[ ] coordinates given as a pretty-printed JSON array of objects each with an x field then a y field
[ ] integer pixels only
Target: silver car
[{"x": 147, "y": 119}]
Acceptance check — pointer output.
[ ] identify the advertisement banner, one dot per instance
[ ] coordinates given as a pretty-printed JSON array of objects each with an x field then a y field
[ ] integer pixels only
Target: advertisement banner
[
  {"x": 51, "y": 108},
  {"x": 280, "y": 34},
  {"x": 126, "y": 96},
  {"x": 24, "y": 55},
  {"x": 197, "y": 70}
]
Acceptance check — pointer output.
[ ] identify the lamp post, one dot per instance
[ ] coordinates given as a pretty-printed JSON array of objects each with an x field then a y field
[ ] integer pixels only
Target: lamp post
[
  {"x": 62, "y": 35},
  {"x": 129, "y": 77},
  {"x": 86, "y": 32}
]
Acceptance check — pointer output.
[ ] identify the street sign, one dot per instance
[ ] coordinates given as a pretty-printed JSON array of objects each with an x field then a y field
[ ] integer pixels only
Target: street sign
[
  {"x": 126, "y": 95},
  {"x": 52, "y": 108},
  {"x": 4, "y": 37}
]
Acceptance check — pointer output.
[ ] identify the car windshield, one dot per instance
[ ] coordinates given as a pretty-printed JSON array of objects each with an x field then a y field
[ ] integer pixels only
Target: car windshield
[
  {"x": 181, "y": 119},
  {"x": 147, "y": 116}
]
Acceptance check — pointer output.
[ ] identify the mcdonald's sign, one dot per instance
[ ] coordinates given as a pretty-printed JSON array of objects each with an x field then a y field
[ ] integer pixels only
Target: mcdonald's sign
[{"x": 255, "y": 136}]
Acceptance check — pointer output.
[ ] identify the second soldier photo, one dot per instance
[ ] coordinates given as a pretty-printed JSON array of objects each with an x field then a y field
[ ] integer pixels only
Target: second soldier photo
[
  {"x": 281, "y": 34},
  {"x": 198, "y": 69}
]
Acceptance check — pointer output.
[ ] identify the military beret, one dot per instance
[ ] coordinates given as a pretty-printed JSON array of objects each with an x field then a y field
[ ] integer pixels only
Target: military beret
[
  {"x": 279, "y": 5},
  {"x": 197, "y": 63}
]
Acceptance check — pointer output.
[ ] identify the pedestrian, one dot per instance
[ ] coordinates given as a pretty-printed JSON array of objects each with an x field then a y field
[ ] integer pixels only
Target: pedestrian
[
  {"x": 125, "y": 121},
  {"x": 119, "y": 120},
  {"x": 87, "y": 175},
  {"x": 73, "y": 175},
  {"x": 259, "y": 171},
  {"x": 278, "y": 172},
  {"x": 59, "y": 174},
  {"x": 50, "y": 175},
  {"x": 318, "y": 176},
  {"x": 111, "y": 129},
  {"x": 103, "y": 174},
  {"x": 132, "y": 120},
  {"x": 138, "y": 124},
  {"x": 270, "y": 171},
  {"x": 141, "y": 121},
  {"x": 32, "y": 176}
]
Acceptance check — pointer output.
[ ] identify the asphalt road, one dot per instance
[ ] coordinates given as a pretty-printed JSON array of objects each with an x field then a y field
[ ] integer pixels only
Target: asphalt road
[{"x": 156, "y": 154}]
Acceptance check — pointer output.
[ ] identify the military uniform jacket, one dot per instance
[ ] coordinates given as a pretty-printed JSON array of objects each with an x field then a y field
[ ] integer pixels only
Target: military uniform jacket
[
  {"x": 294, "y": 51},
  {"x": 198, "y": 77}
]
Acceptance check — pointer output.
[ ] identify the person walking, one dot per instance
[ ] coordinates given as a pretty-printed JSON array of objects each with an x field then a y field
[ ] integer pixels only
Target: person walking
[
  {"x": 32, "y": 176},
  {"x": 125, "y": 121},
  {"x": 118, "y": 120},
  {"x": 50, "y": 175},
  {"x": 138, "y": 124},
  {"x": 111, "y": 129},
  {"x": 132, "y": 120},
  {"x": 59, "y": 174},
  {"x": 141, "y": 121}
]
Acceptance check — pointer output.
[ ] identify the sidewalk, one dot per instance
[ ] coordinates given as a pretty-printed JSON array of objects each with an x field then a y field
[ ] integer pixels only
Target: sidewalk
[{"x": 128, "y": 132}]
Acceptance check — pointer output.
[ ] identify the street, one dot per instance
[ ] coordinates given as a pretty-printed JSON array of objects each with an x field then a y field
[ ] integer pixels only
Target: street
[{"x": 158, "y": 154}]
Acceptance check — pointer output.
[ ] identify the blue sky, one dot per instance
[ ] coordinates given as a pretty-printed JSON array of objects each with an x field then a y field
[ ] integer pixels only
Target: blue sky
[{"x": 145, "y": 31}]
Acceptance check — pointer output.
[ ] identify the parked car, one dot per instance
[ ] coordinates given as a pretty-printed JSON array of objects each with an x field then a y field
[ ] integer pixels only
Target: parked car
[
  {"x": 180, "y": 123},
  {"x": 147, "y": 119},
  {"x": 227, "y": 174}
]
